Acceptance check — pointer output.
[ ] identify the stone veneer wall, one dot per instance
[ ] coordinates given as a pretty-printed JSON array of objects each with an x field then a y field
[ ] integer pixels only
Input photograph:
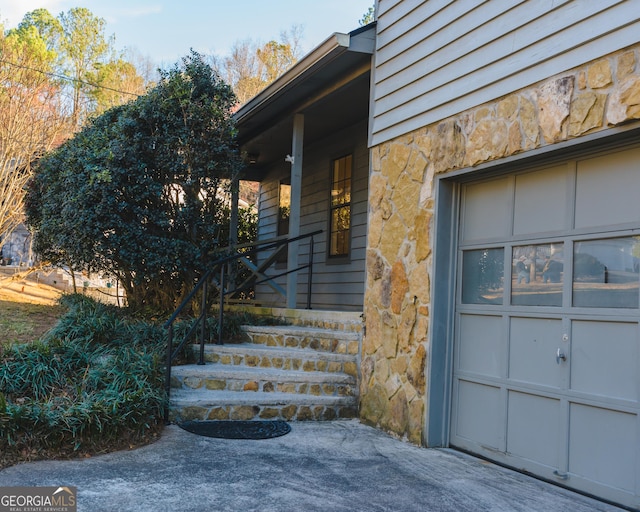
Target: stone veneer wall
[{"x": 601, "y": 94}]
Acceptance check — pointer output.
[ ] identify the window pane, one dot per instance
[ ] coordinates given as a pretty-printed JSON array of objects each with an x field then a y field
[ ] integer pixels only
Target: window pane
[
  {"x": 339, "y": 243},
  {"x": 340, "y": 224},
  {"x": 482, "y": 276},
  {"x": 284, "y": 208},
  {"x": 606, "y": 273},
  {"x": 536, "y": 275},
  {"x": 341, "y": 193},
  {"x": 342, "y": 218}
]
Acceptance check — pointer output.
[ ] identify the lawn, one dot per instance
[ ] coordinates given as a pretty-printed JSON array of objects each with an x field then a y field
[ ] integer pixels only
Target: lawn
[
  {"x": 27, "y": 309},
  {"x": 23, "y": 322}
]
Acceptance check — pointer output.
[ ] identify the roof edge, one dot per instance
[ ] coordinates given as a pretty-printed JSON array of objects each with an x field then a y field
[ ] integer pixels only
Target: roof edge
[{"x": 335, "y": 45}]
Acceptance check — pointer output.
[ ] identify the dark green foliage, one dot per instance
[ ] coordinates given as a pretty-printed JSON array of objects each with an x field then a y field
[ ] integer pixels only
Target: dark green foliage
[
  {"x": 93, "y": 380},
  {"x": 139, "y": 192}
]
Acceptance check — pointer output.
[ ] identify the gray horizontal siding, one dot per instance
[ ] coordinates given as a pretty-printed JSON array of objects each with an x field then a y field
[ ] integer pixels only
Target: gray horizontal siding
[
  {"x": 268, "y": 209},
  {"x": 338, "y": 286},
  {"x": 437, "y": 58}
]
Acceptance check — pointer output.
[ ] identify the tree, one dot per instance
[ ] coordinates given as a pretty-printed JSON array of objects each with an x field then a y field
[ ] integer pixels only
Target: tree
[
  {"x": 137, "y": 193},
  {"x": 144, "y": 65},
  {"x": 48, "y": 27},
  {"x": 276, "y": 58},
  {"x": 119, "y": 82},
  {"x": 83, "y": 46},
  {"x": 251, "y": 66},
  {"x": 40, "y": 105},
  {"x": 31, "y": 117},
  {"x": 368, "y": 17},
  {"x": 88, "y": 69}
]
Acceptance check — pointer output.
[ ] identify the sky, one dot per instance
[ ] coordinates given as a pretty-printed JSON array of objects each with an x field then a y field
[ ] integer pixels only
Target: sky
[{"x": 165, "y": 30}]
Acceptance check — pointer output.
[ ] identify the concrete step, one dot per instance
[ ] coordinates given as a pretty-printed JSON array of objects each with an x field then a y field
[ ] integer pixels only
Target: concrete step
[
  {"x": 202, "y": 404},
  {"x": 285, "y": 358},
  {"x": 219, "y": 377}
]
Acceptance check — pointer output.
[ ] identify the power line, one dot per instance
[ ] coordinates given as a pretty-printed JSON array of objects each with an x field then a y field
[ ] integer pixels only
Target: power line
[{"x": 68, "y": 78}]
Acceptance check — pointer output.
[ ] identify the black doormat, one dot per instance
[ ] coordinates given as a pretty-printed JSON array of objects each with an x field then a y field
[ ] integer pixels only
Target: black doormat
[{"x": 237, "y": 429}]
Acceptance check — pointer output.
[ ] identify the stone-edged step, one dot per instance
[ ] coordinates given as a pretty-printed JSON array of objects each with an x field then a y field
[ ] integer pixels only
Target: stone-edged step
[
  {"x": 293, "y": 373},
  {"x": 286, "y": 358},
  {"x": 220, "y": 377},
  {"x": 200, "y": 404},
  {"x": 315, "y": 338}
]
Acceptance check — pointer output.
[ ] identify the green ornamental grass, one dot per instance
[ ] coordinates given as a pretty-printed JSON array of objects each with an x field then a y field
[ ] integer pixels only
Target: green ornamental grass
[{"x": 94, "y": 379}]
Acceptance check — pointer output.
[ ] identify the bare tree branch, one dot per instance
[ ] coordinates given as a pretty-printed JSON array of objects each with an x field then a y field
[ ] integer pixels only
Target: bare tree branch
[{"x": 31, "y": 121}]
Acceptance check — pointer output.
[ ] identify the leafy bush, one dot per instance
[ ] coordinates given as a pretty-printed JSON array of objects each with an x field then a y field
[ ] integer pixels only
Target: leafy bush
[
  {"x": 139, "y": 192},
  {"x": 92, "y": 382}
]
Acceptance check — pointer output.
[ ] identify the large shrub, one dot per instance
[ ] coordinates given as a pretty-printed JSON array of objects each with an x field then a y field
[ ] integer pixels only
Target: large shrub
[{"x": 139, "y": 193}]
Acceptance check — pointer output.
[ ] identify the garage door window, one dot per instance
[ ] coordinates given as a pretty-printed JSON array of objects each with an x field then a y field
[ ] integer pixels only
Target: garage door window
[
  {"x": 482, "y": 276},
  {"x": 606, "y": 273},
  {"x": 536, "y": 275}
]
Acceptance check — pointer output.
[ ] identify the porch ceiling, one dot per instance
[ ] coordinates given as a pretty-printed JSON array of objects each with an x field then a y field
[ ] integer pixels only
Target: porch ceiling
[{"x": 341, "y": 109}]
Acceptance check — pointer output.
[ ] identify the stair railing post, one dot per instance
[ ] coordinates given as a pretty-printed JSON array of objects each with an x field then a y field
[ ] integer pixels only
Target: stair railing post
[
  {"x": 221, "y": 310},
  {"x": 203, "y": 314},
  {"x": 167, "y": 382},
  {"x": 310, "y": 273}
]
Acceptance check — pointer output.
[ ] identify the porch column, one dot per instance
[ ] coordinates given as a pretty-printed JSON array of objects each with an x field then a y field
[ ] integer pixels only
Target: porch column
[{"x": 294, "y": 212}]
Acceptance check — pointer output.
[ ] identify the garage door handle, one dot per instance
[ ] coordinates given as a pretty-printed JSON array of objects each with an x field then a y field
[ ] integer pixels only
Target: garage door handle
[{"x": 560, "y": 356}]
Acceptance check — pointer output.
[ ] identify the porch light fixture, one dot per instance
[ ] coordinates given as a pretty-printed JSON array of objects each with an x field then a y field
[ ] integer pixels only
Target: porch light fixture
[{"x": 253, "y": 158}]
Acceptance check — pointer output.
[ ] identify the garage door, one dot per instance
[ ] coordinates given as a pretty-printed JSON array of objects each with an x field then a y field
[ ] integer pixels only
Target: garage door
[{"x": 546, "y": 358}]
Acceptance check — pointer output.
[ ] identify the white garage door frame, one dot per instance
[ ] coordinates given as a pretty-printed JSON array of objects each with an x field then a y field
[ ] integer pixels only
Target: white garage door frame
[{"x": 443, "y": 327}]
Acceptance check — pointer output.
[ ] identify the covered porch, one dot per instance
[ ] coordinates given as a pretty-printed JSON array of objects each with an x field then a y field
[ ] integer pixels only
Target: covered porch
[{"x": 304, "y": 139}]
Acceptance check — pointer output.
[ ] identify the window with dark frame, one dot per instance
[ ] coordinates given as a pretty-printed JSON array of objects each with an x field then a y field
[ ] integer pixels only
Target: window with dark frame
[{"x": 340, "y": 211}]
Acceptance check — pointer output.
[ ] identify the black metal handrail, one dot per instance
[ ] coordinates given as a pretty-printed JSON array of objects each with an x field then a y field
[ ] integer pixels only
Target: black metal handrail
[{"x": 220, "y": 265}]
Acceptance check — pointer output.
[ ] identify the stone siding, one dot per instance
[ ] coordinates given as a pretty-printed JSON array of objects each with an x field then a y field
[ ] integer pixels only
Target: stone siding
[{"x": 395, "y": 350}]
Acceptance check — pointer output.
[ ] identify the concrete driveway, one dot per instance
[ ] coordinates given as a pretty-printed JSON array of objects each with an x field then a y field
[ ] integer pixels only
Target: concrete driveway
[{"x": 327, "y": 466}]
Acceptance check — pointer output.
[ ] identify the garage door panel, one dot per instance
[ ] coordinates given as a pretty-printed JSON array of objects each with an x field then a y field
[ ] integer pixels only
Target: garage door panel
[
  {"x": 604, "y": 359},
  {"x": 480, "y": 414},
  {"x": 533, "y": 345},
  {"x": 599, "y": 446},
  {"x": 534, "y": 428},
  {"x": 603, "y": 201},
  {"x": 541, "y": 201},
  {"x": 481, "y": 345},
  {"x": 484, "y": 210}
]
